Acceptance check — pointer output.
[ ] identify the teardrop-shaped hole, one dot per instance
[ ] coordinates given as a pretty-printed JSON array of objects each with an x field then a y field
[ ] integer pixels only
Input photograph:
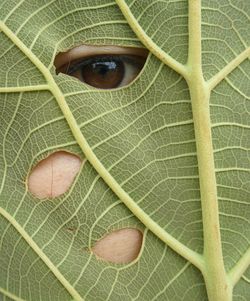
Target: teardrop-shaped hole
[{"x": 54, "y": 175}]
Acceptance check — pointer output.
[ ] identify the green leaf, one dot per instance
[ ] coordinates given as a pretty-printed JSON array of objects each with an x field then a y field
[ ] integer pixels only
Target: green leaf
[{"x": 168, "y": 154}]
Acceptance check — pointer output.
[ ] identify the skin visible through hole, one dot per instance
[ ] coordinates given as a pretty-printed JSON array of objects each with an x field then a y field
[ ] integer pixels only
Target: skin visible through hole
[
  {"x": 84, "y": 51},
  {"x": 54, "y": 175},
  {"x": 121, "y": 246}
]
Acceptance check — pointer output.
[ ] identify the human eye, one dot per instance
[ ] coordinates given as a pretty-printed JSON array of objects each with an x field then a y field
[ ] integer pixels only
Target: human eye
[{"x": 107, "y": 67}]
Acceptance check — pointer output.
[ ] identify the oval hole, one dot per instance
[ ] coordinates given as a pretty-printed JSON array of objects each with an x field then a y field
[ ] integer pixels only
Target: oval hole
[
  {"x": 102, "y": 67},
  {"x": 121, "y": 246},
  {"x": 54, "y": 175}
]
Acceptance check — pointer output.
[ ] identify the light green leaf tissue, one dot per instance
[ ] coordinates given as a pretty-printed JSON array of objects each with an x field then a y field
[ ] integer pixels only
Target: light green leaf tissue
[{"x": 168, "y": 154}]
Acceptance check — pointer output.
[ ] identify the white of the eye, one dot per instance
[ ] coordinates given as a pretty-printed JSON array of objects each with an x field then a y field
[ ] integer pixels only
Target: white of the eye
[{"x": 130, "y": 74}]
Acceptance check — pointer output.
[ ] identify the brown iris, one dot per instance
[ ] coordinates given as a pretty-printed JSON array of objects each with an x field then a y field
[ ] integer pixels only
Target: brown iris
[
  {"x": 102, "y": 67},
  {"x": 105, "y": 74}
]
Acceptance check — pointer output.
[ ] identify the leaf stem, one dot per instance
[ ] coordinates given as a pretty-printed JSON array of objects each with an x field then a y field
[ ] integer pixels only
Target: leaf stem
[{"x": 217, "y": 283}]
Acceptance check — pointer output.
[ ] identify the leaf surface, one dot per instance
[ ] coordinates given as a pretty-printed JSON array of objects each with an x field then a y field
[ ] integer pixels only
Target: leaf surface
[{"x": 168, "y": 154}]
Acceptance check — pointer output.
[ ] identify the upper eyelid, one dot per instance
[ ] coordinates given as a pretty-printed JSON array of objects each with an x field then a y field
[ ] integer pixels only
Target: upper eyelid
[{"x": 85, "y": 51}]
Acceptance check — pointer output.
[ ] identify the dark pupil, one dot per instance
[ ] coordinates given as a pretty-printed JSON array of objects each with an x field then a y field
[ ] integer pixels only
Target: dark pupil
[{"x": 104, "y": 74}]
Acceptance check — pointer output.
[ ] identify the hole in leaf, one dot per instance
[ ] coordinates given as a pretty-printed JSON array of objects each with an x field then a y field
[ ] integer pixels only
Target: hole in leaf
[
  {"x": 102, "y": 67},
  {"x": 121, "y": 246},
  {"x": 54, "y": 175}
]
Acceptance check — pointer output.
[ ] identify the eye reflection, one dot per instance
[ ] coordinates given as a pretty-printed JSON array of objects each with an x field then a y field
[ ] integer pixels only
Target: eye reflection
[{"x": 102, "y": 67}]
